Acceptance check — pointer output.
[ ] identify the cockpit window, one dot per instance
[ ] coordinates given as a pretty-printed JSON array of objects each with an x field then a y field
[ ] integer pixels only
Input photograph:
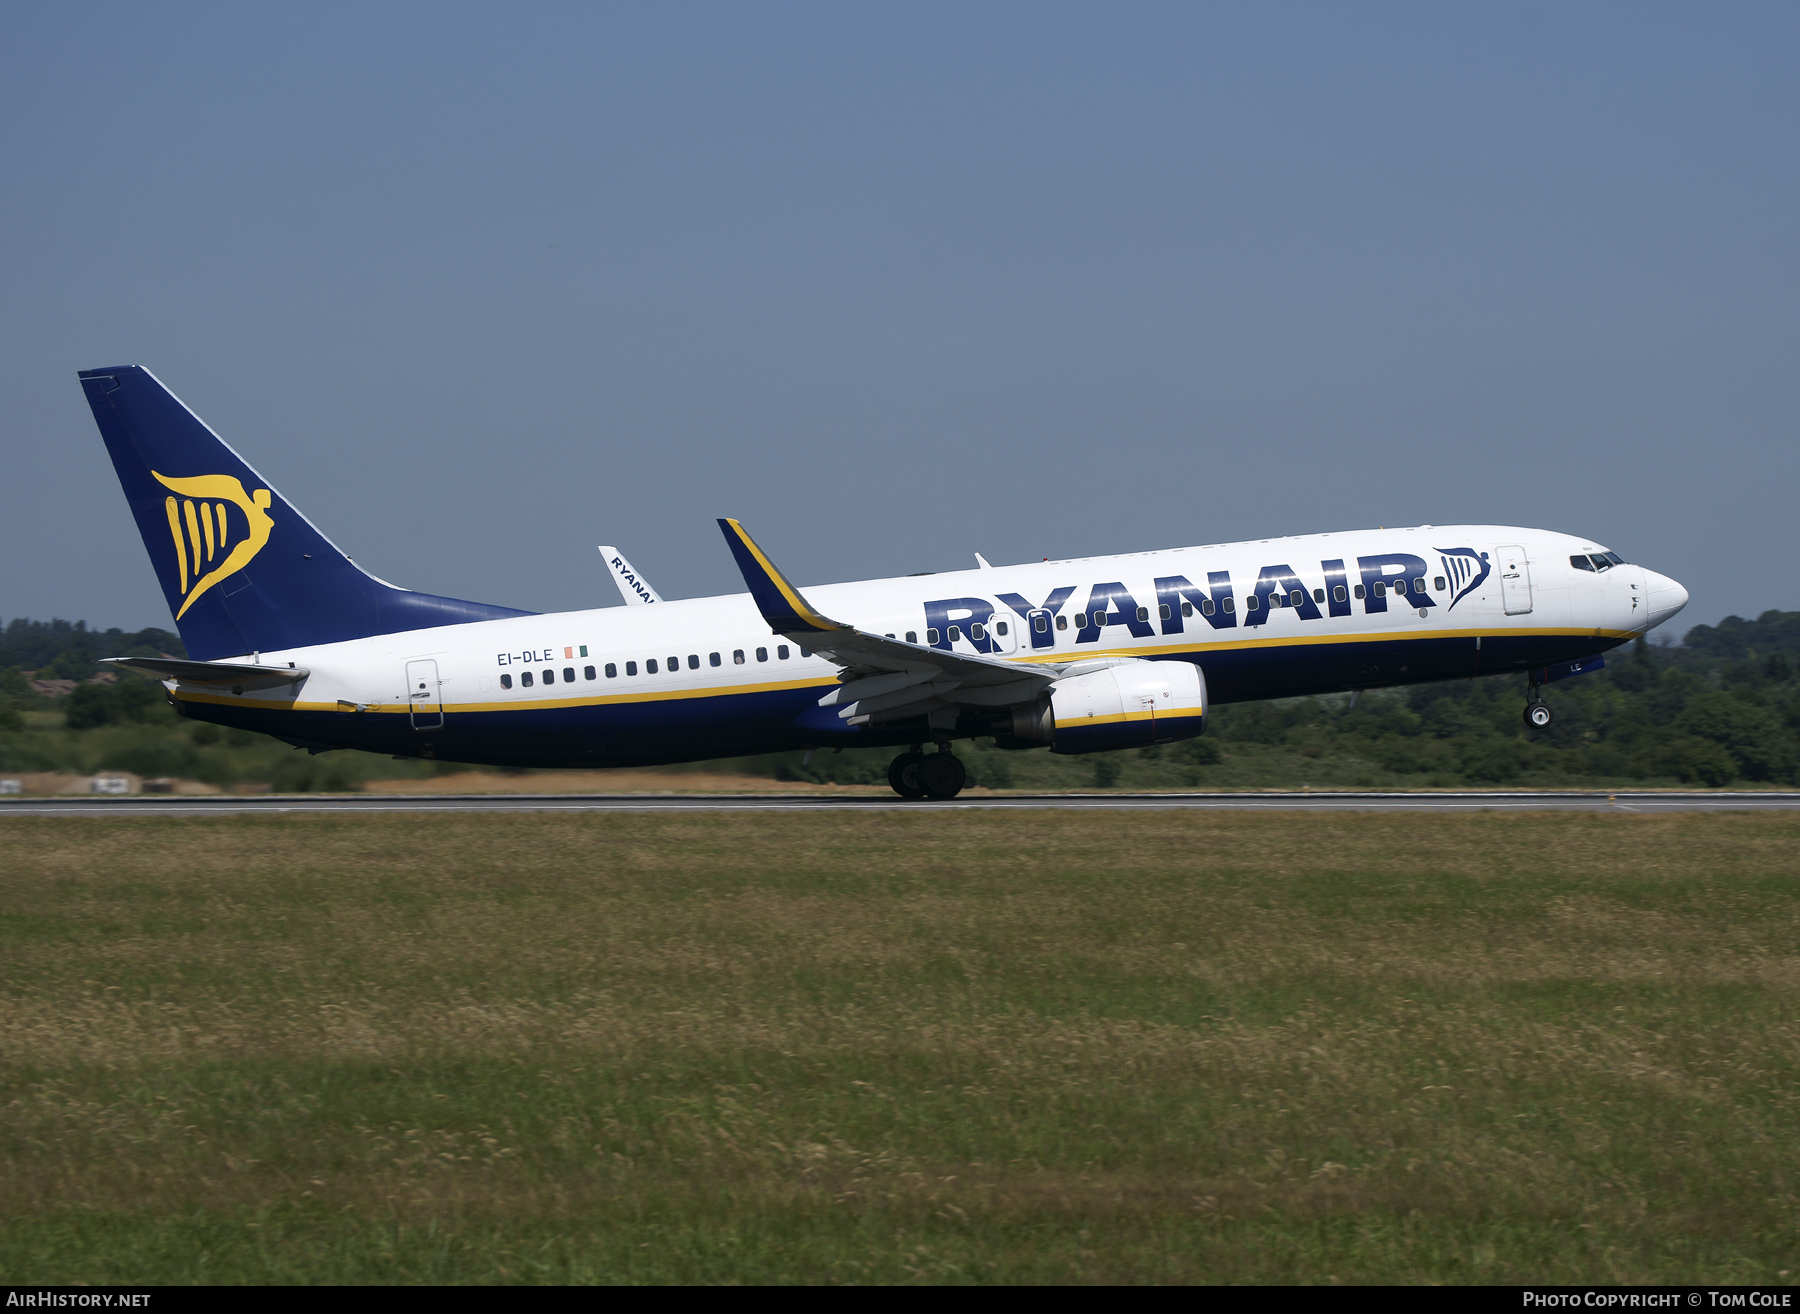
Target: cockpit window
[
  {"x": 1581, "y": 563},
  {"x": 1615, "y": 558},
  {"x": 1600, "y": 562}
]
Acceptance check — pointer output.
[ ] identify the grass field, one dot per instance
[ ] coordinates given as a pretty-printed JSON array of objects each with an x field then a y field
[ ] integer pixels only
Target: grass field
[{"x": 1038, "y": 1047}]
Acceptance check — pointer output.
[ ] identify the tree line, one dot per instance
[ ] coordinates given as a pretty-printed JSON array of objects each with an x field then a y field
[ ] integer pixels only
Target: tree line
[{"x": 1721, "y": 707}]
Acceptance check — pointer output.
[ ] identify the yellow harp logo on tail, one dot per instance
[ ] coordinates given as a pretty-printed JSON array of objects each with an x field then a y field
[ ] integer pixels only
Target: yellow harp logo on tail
[{"x": 203, "y": 531}]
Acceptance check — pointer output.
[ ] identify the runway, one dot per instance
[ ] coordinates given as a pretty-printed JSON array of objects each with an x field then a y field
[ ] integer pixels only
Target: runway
[{"x": 225, "y": 805}]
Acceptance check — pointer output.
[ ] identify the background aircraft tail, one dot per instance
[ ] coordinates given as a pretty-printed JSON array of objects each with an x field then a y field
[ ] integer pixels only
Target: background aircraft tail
[{"x": 243, "y": 571}]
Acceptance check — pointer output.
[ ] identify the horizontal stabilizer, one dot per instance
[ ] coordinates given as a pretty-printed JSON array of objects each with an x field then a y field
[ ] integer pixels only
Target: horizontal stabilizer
[{"x": 237, "y": 676}]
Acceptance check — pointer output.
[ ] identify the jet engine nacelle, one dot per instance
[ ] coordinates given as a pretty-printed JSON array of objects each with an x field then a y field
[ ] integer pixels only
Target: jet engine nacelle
[{"x": 1130, "y": 704}]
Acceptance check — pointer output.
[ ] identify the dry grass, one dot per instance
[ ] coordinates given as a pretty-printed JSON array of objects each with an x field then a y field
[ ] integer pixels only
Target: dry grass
[{"x": 1018, "y": 1046}]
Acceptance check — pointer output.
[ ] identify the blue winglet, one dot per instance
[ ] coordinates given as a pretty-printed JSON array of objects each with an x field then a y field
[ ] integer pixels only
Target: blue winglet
[{"x": 780, "y": 602}]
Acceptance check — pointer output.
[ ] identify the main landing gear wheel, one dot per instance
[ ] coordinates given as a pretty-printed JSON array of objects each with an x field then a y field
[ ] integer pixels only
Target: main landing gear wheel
[
  {"x": 1537, "y": 716},
  {"x": 943, "y": 775},
  {"x": 903, "y": 775}
]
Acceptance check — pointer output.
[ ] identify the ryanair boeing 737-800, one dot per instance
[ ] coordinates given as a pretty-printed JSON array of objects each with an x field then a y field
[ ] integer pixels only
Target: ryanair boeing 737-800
[{"x": 287, "y": 636}]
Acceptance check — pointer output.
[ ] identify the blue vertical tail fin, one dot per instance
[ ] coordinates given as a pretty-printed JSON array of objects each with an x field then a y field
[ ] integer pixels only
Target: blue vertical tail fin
[{"x": 242, "y": 570}]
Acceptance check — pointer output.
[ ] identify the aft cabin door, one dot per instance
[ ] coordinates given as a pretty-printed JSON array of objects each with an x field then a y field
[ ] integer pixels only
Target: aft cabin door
[
  {"x": 1515, "y": 580},
  {"x": 426, "y": 702}
]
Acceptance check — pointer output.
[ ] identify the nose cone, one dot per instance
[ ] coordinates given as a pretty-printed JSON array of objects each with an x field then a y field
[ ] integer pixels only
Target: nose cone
[{"x": 1664, "y": 597}]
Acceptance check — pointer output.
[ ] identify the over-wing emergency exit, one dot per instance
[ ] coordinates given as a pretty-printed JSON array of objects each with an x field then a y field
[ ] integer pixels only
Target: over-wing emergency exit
[{"x": 287, "y": 636}]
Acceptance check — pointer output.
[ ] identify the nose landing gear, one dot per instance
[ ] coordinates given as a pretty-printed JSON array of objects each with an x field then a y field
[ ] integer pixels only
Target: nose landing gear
[{"x": 916, "y": 775}]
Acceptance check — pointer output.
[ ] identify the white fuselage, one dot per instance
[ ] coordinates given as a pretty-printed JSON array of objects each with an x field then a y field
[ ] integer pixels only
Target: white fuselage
[{"x": 699, "y": 677}]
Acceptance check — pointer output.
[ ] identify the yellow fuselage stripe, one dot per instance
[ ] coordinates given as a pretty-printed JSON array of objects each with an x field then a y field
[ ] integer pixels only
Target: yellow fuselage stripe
[{"x": 724, "y": 691}]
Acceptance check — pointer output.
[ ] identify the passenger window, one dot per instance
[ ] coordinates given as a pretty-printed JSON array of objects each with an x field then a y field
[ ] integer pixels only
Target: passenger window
[
  {"x": 1230, "y": 605},
  {"x": 1143, "y": 613},
  {"x": 631, "y": 668},
  {"x": 762, "y": 654},
  {"x": 506, "y": 682},
  {"x": 1250, "y": 603},
  {"x": 1297, "y": 597},
  {"x": 674, "y": 665},
  {"x": 714, "y": 658},
  {"x": 737, "y": 656},
  {"x": 912, "y": 636},
  {"x": 612, "y": 671},
  {"x": 781, "y": 652},
  {"x": 568, "y": 675},
  {"x": 1359, "y": 591},
  {"x": 955, "y": 633},
  {"x": 806, "y": 652},
  {"x": 650, "y": 667},
  {"x": 587, "y": 672},
  {"x": 524, "y": 679},
  {"x": 1062, "y": 622},
  {"x": 549, "y": 677},
  {"x": 1041, "y": 624},
  {"x": 1081, "y": 620},
  {"x": 931, "y": 636},
  {"x": 1318, "y": 595},
  {"x": 1338, "y": 594},
  {"x": 1000, "y": 628},
  {"x": 978, "y": 631},
  {"x": 693, "y": 661},
  {"x": 1206, "y": 607},
  {"x": 1380, "y": 589}
]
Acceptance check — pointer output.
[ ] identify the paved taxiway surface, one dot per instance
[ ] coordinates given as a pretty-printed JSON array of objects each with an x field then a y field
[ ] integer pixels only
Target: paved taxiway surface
[{"x": 210, "y": 806}]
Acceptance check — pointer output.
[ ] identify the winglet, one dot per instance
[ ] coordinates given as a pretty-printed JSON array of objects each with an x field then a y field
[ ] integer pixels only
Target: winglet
[
  {"x": 779, "y": 601},
  {"x": 630, "y": 580}
]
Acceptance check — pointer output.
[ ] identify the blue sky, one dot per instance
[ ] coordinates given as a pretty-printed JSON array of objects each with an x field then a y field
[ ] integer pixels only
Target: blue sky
[{"x": 479, "y": 287}]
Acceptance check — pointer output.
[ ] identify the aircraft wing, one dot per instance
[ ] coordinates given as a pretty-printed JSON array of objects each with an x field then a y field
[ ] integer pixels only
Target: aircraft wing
[
  {"x": 630, "y": 580},
  {"x": 238, "y": 676},
  {"x": 883, "y": 679}
]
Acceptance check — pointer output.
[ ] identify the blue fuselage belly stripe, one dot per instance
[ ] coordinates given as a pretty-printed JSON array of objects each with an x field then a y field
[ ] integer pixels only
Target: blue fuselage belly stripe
[{"x": 762, "y": 721}]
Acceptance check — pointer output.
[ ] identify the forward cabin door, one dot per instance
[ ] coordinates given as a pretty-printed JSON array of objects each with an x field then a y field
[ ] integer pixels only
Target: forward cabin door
[
  {"x": 423, "y": 695},
  {"x": 1515, "y": 580}
]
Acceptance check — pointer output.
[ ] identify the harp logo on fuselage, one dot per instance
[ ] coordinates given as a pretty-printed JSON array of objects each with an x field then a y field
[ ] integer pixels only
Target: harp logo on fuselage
[{"x": 205, "y": 531}]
